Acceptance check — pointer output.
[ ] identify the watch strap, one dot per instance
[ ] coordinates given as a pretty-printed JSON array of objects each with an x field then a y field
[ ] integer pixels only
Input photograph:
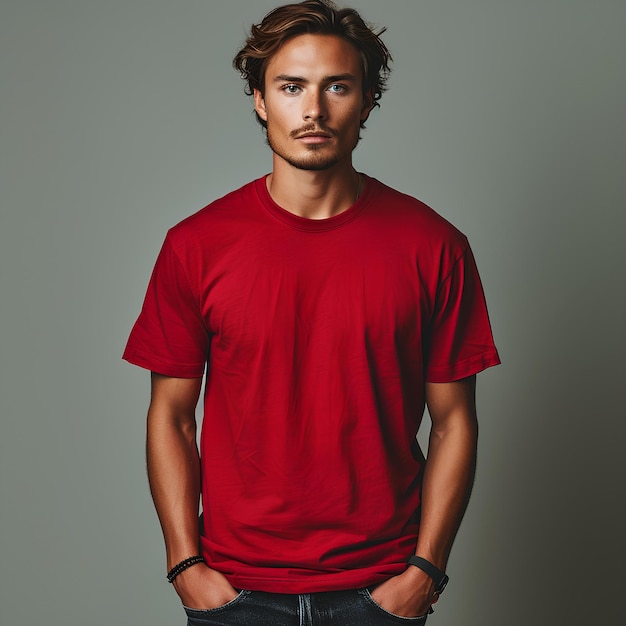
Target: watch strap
[{"x": 439, "y": 578}]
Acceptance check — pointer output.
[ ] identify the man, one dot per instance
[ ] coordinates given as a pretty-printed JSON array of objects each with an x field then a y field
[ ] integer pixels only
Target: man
[{"x": 327, "y": 309}]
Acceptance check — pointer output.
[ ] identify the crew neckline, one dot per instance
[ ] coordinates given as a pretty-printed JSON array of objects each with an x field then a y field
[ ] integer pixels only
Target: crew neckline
[{"x": 306, "y": 223}]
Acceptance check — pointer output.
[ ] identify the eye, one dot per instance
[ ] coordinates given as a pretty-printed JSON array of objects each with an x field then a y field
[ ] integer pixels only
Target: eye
[
  {"x": 337, "y": 88},
  {"x": 291, "y": 89}
]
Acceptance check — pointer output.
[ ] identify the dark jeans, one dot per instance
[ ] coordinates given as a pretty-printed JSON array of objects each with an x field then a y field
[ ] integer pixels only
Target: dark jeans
[{"x": 340, "y": 608}]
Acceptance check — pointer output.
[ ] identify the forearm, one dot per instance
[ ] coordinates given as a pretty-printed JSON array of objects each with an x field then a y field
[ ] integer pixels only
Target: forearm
[
  {"x": 448, "y": 478},
  {"x": 450, "y": 466},
  {"x": 446, "y": 488},
  {"x": 447, "y": 485},
  {"x": 174, "y": 475}
]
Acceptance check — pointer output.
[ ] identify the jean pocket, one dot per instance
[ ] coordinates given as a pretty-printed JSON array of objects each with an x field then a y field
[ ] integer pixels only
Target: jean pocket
[
  {"x": 392, "y": 618},
  {"x": 199, "y": 613}
]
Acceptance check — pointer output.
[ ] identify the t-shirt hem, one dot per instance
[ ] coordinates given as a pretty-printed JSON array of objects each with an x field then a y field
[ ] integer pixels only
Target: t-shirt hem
[
  {"x": 164, "y": 368},
  {"x": 458, "y": 371},
  {"x": 318, "y": 583}
]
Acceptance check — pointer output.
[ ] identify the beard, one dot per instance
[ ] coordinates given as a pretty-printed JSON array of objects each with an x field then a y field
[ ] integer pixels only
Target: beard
[
  {"x": 317, "y": 157},
  {"x": 314, "y": 160}
]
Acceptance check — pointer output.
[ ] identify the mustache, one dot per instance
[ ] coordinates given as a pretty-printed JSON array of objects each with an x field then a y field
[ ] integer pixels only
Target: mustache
[{"x": 312, "y": 128}]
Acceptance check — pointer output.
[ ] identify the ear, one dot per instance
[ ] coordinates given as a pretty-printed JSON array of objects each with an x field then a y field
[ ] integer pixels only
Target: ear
[
  {"x": 368, "y": 105},
  {"x": 259, "y": 105}
]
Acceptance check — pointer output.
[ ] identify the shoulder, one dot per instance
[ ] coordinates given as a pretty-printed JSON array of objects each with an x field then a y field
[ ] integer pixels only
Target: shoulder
[
  {"x": 412, "y": 217},
  {"x": 215, "y": 220}
]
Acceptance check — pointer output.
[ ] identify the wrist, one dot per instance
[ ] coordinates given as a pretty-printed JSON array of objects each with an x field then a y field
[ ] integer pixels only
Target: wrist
[
  {"x": 181, "y": 549},
  {"x": 439, "y": 577},
  {"x": 184, "y": 565},
  {"x": 417, "y": 579}
]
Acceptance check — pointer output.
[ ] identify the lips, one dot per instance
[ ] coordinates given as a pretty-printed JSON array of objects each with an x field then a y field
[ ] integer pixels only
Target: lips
[
  {"x": 320, "y": 134},
  {"x": 314, "y": 140}
]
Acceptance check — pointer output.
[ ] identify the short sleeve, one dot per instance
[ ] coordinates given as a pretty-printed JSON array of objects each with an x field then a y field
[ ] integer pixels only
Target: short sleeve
[
  {"x": 170, "y": 336},
  {"x": 460, "y": 341}
]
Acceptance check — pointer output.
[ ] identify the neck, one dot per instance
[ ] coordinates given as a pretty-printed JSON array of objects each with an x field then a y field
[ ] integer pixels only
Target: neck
[{"x": 314, "y": 195}]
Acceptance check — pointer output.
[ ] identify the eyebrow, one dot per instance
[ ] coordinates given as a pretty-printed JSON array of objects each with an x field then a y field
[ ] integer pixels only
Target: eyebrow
[{"x": 284, "y": 78}]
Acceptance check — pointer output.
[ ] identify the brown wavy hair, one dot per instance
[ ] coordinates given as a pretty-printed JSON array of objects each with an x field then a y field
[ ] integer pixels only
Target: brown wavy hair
[{"x": 313, "y": 17}]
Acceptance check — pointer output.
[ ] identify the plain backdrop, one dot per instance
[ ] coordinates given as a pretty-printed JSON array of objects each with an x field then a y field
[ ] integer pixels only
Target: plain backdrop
[{"x": 121, "y": 117}]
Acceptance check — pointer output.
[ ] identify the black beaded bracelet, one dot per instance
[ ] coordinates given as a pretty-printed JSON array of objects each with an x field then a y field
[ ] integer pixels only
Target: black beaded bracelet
[{"x": 183, "y": 565}]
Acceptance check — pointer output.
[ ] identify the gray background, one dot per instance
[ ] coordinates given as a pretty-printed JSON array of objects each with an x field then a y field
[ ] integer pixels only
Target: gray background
[{"x": 119, "y": 118}]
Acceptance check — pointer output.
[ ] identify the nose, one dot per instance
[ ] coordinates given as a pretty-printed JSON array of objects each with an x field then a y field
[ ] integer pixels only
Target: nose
[{"x": 314, "y": 108}]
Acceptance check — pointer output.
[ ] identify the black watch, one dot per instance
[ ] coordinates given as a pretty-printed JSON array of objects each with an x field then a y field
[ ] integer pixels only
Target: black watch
[{"x": 440, "y": 579}]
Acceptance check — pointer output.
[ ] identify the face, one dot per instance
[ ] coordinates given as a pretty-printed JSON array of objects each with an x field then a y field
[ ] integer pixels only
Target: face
[{"x": 313, "y": 102}]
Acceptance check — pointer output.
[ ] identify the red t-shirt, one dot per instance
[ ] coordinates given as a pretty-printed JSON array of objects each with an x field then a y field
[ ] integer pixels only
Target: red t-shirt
[{"x": 319, "y": 336}]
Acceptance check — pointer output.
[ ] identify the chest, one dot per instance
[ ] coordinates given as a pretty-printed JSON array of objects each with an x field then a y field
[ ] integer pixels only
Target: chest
[{"x": 321, "y": 287}]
